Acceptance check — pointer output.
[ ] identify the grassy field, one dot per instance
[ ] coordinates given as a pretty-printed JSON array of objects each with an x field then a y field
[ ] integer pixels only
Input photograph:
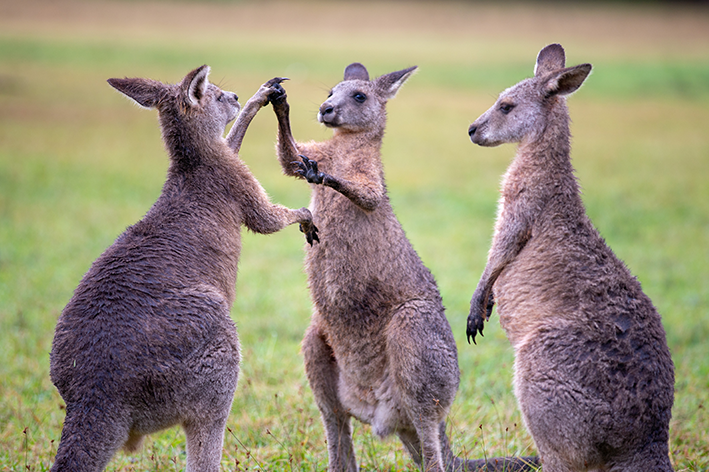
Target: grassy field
[{"x": 79, "y": 163}]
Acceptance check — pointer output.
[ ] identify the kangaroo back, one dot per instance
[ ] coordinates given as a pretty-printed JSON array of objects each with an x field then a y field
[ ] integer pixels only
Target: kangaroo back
[{"x": 147, "y": 340}]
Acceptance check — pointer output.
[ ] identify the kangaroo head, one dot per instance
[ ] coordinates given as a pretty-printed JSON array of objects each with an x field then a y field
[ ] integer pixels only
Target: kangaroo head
[
  {"x": 358, "y": 104},
  {"x": 194, "y": 104},
  {"x": 521, "y": 112}
]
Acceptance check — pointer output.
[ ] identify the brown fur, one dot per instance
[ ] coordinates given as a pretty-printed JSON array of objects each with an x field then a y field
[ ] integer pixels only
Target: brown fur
[
  {"x": 593, "y": 374},
  {"x": 147, "y": 341},
  {"x": 379, "y": 347}
]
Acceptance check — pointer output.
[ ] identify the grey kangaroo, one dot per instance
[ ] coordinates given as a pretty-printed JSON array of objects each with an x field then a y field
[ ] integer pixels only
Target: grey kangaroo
[
  {"x": 379, "y": 347},
  {"x": 593, "y": 373},
  {"x": 147, "y": 341}
]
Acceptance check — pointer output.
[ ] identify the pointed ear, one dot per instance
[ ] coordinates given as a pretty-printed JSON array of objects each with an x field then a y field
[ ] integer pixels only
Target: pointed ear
[
  {"x": 194, "y": 85},
  {"x": 567, "y": 80},
  {"x": 549, "y": 59},
  {"x": 145, "y": 92},
  {"x": 390, "y": 83},
  {"x": 356, "y": 71}
]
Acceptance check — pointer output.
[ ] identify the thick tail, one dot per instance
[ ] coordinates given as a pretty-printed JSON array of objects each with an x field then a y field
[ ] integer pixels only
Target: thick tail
[
  {"x": 494, "y": 464},
  {"x": 88, "y": 439}
]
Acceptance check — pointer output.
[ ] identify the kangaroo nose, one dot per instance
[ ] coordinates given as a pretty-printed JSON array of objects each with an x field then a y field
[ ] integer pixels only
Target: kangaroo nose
[
  {"x": 326, "y": 109},
  {"x": 236, "y": 97},
  {"x": 472, "y": 130}
]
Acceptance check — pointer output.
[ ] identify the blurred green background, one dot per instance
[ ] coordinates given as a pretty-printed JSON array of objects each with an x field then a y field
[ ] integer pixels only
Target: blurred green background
[{"x": 79, "y": 163}]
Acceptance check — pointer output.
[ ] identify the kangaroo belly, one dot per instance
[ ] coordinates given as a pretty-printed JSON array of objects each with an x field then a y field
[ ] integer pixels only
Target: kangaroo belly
[{"x": 378, "y": 404}]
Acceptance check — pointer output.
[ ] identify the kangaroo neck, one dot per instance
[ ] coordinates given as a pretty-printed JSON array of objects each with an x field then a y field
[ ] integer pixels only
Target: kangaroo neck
[
  {"x": 366, "y": 136},
  {"x": 542, "y": 167},
  {"x": 546, "y": 155},
  {"x": 355, "y": 145},
  {"x": 188, "y": 148}
]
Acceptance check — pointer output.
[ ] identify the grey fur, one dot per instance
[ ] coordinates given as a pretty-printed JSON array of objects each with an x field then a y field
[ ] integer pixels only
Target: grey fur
[
  {"x": 379, "y": 347},
  {"x": 147, "y": 341},
  {"x": 593, "y": 373}
]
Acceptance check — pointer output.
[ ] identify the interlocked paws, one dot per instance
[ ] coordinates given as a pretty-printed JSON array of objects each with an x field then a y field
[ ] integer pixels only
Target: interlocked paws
[
  {"x": 272, "y": 92},
  {"x": 310, "y": 231},
  {"x": 308, "y": 169},
  {"x": 480, "y": 311},
  {"x": 277, "y": 93}
]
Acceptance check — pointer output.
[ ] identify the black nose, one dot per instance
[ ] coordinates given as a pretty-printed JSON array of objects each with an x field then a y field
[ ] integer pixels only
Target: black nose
[
  {"x": 472, "y": 130},
  {"x": 236, "y": 97},
  {"x": 326, "y": 109}
]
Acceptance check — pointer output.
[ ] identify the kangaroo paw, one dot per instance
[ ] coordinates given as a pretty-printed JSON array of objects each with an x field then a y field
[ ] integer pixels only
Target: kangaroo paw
[
  {"x": 277, "y": 93},
  {"x": 480, "y": 310},
  {"x": 310, "y": 231},
  {"x": 308, "y": 169}
]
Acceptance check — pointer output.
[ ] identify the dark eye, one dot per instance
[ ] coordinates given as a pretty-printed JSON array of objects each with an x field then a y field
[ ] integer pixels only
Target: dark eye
[
  {"x": 359, "y": 97},
  {"x": 330, "y": 94},
  {"x": 506, "y": 108},
  {"x": 220, "y": 98}
]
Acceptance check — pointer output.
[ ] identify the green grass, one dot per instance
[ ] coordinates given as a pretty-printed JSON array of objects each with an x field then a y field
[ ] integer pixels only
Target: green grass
[{"x": 78, "y": 163}]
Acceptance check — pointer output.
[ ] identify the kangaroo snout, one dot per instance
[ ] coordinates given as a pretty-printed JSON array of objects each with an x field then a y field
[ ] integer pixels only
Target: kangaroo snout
[
  {"x": 326, "y": 113},
  {"x": 471, "y": 131},
  {"x": 475, "y": 131}
]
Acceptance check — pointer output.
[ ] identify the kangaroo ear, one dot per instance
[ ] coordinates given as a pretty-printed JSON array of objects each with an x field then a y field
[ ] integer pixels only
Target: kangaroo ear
[
  {"x": 549, "y": 59},
  {"x": 390, "y": 83},
  {"x": 566, "y": 81},
  {"x": 194, "y": 85},
  {"x": 356, "y": 71},
  {"x": 145, "y": 92}
]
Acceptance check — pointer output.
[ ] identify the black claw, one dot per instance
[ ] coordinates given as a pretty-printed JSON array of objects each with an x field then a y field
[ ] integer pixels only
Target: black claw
[
  {"x": 275, "y": 81},
  {"x": 476, "y": 323},
  {"x": 490, "y": 304},
  {"x": 308, "y": 169},
  {"x": 311, "y": 234},
  {"x": 278, "y": 93}
]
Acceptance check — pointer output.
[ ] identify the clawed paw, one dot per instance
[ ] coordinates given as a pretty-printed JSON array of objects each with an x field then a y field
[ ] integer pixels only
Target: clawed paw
[
  {"x": 475, "y": 326},
  {"x": 310, "y": 231},
  {"x": 308, "y": 169},
  {"x": 480, "y": 311},
  {"x": 273, "y": 90}
]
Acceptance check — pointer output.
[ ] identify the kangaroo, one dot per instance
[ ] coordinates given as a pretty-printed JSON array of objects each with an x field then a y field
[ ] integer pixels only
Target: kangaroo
[
  {"x": 593, "y": 373},
  {"x": 379, "y": 347},
  {"x": 147, "y": 341}
]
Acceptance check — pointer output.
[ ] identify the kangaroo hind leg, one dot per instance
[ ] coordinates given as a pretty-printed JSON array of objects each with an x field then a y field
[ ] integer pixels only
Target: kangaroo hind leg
[{"x": 323, "y": 374}]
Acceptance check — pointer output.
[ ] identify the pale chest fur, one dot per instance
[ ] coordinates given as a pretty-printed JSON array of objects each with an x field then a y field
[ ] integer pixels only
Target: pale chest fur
[{"x": 530, "y": 292}]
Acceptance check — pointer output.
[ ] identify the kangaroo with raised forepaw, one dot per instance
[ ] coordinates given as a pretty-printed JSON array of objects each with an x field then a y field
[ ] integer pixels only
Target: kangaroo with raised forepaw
[
  {"x": 147, "y": 340},
  {"x": 379, "y": 347}
]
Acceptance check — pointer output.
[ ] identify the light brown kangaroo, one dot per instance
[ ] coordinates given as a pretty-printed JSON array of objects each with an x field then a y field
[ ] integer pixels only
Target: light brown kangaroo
[
  {"x": 593, "y": 373},
  {"x": 379, "y": 347},
  {"x": 147, "y": 341}
]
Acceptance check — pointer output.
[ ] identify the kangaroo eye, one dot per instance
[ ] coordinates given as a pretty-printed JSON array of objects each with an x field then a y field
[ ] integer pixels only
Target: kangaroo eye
[
  {"x": 359, "y": 97},
  {"x": 506, "y": 108},
  {"x": 330, "y": 94},
  {"x": 220, "y": 98}
]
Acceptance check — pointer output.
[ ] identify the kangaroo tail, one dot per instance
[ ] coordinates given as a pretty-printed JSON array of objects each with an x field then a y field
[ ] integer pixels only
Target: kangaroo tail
[{"x": 494, "y": 464}]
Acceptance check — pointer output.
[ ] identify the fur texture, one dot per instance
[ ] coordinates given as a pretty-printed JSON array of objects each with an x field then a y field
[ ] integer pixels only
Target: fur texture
[
  {"x": 593, "y": 373},
  {"x": 147, "y": 341},
  {"x": 379, "y": 347}
]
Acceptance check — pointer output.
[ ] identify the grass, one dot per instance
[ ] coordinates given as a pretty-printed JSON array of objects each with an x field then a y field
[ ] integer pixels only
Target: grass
[{"x": 78, "y": 164}]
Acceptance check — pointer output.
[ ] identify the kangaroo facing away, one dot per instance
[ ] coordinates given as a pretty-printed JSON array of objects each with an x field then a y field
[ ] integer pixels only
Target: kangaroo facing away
[
  {"x": 379, "y": 347},
  {"x": 593, "y": 373},
  {"x": 147, "y": 341}
]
